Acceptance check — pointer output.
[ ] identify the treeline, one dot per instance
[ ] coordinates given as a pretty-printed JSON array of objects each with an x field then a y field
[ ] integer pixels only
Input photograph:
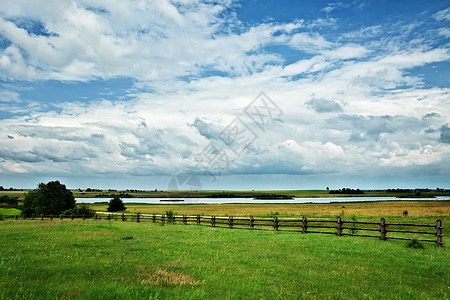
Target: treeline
[
  {"x": 121, "y": 195},
  {"x": 112, "y": 190},
  {"x": 10, "y": 189},
  {"x": 347, "y": 191},
  {"x": 415, "y": 190}
]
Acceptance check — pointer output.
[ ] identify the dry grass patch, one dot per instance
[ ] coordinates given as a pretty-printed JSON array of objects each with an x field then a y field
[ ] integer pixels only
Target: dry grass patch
[
  {"x": 382, "y": 208},
  {"x": 167, "y": 277}
]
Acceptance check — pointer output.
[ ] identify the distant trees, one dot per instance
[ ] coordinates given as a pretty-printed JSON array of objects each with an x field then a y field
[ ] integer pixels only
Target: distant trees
[
  {"x": 398, "y": 190},
  {"x": 8, "y": 201},
  {"x": 49, "y": 198},
  {"x": 347, "y": 191},
  {"x": 115, "y": 204}
]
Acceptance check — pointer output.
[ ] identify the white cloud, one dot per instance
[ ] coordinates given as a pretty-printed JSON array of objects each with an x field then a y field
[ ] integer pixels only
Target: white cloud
[
  {"x": 347, "y": 52},
  {"x": 443, "y": 15},
  {"x": 332, "y": 6},
  {"x": 148, "y": 41},
  {"x": 9, "y": 96},
  {"x": 444, "y": 32},
  {"x": 313, "y": 64},
  {"x": 312, "y": 43}
]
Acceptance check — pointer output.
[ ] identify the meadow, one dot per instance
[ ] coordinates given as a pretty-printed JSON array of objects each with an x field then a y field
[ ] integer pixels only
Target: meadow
[
  {"x": 364, "y": 209},
  {"x": 128, "y": 260}
]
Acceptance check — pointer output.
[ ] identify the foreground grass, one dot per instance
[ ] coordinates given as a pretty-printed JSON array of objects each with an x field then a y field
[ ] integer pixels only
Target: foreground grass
[{"x": 124, "y": 260}]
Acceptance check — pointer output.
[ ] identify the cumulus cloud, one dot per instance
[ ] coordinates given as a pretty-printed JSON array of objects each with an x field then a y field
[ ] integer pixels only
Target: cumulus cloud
[
  {"x": 374, "y": 126},
  {"x": 324, "y": 105},
  {"x": 206, "y": 129},
  {"x": 155, "y": 41}
]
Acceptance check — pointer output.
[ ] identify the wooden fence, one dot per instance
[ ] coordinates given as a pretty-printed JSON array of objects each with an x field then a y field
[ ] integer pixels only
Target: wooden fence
[{"x": 340, "y": 227}]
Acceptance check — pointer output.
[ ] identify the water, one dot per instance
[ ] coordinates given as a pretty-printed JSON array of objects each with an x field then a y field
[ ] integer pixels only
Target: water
[{"x": 251, "y": 200}]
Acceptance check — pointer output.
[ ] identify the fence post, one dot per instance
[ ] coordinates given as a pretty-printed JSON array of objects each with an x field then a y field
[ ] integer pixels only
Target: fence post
[
  {"x": 138, "y": 218},
  {"x": 60, "y": 217},
  {"x": 154, "y": 218},
  {"x": 383, "y": 229},
  {"x": 275, "y": 223},
  {"x": 213, "y": 221},
  {"x": 230, "y": 222},
  {"x": 252, "y": 222},
  {"x": 84, "y": 217},
  {"x": 304, "y": 225},
  {"x": 51, "y": 217},
  {"x": 339, "y": 226},
  {"x": 109, "y": 217},
  {"x": 439, "y": 235},
  {"x": 198, "y": 220},
  {"x": 42, "y": 217},
  {"x": 123, "y": 217},
  {"x": 184, "y": 219},
  {"x": 32, "y": 216},
  {"x": 16, "y": 217},
  {"x": 95, "y": 217},
  {"x": 163, "y": 219}
]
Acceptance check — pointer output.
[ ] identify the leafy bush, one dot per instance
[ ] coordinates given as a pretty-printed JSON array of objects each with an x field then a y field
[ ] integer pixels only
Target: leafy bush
[
  {"x": 9, "y": 201},
  {"x": 116, "y": 204},
  {"x": 82, "y": 210},
  {"x": 49, "y": 198},
  {"x": 170, "y": 216}
]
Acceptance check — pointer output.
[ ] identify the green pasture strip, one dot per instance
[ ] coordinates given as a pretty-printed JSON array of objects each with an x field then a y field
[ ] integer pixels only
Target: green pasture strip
[
  {"x": 9, "y": 211},
  {"x": 126, "y": 260}
]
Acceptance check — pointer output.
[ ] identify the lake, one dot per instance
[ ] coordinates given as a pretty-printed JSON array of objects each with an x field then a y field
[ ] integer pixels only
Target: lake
[{"x": 251, "y": 200}]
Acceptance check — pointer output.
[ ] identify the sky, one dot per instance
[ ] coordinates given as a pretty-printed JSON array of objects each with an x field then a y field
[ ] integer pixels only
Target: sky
[{"x": 256, "y": 94}]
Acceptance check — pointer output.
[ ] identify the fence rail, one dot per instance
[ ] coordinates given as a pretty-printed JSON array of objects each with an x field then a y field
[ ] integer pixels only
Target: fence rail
[{"x": 337, "y": 226}]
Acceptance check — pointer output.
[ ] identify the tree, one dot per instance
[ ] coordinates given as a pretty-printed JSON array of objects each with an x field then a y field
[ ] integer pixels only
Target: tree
[
  {"x": 49, "y": 198},
  {"x": 115, "y": 204}
]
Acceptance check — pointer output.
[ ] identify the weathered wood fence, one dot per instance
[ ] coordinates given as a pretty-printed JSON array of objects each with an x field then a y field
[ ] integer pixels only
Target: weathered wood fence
[{"x": 340, "y": 227}]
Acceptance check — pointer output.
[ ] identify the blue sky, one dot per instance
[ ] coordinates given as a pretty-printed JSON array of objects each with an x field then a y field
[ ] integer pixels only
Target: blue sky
[{"x": 127, "y": 94}]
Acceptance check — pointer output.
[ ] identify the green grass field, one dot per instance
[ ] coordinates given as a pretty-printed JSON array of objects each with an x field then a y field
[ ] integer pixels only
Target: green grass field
[{"x": 125, "y": 260}]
